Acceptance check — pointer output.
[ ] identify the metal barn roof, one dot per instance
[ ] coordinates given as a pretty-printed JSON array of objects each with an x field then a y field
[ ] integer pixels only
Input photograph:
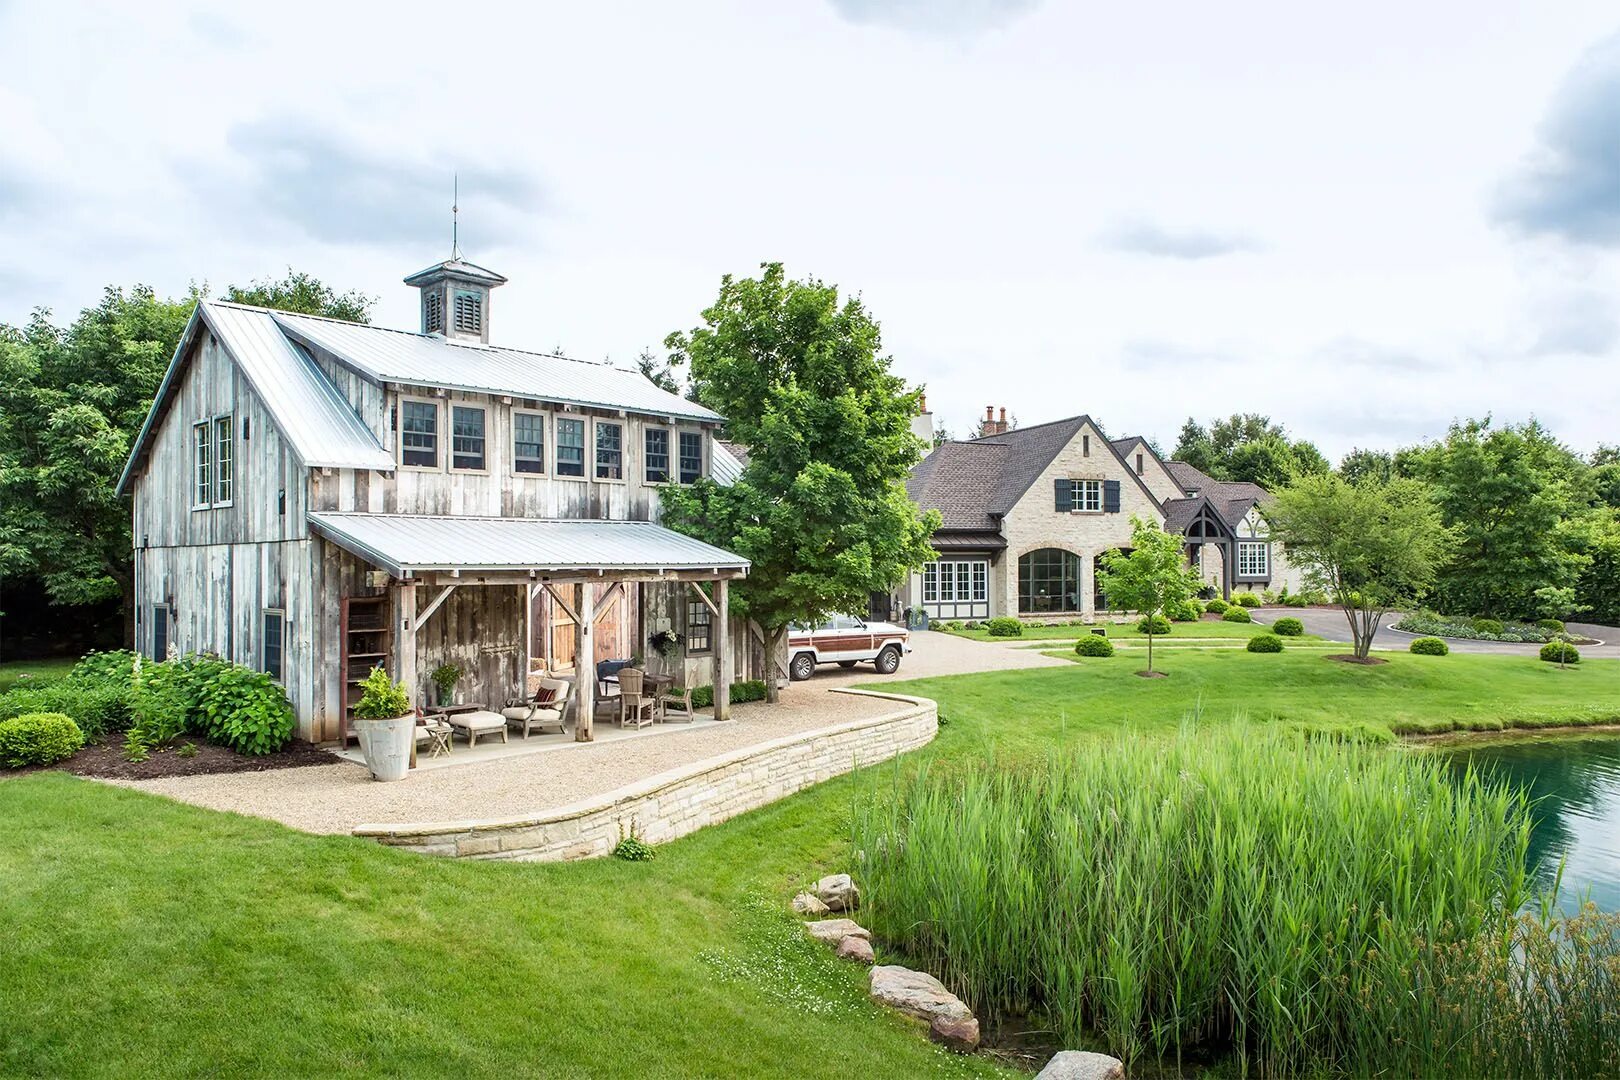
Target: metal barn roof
[{"x": 410, "y": 543}]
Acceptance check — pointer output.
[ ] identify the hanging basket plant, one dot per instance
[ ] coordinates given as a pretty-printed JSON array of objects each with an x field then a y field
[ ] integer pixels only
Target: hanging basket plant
[{"x": 667, "y": 643}]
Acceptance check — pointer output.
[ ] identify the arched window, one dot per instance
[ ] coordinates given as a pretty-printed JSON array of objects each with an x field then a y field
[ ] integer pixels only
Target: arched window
[{"x": 1048, "y": 580}]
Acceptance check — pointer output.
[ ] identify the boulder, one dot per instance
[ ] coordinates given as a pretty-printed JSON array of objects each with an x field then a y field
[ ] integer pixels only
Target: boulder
[
  {"x": 832, "y": 931},
  {"x": 1081, "y": 1065},
  {"x": 838, "y": 892},
  {"x": 808, "y": 904},
  {"x": 857, "y": 949},
  {"x": 961, "y": 1036},
  {"x": 916, "y": 993}
]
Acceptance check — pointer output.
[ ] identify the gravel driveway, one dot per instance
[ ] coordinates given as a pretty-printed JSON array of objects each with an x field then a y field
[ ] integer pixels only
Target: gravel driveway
[{"x": 1330, "y": 623}]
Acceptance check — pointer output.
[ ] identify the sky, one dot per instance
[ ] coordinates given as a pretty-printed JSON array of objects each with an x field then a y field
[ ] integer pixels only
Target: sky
[{"x": 1365, "y": 223}]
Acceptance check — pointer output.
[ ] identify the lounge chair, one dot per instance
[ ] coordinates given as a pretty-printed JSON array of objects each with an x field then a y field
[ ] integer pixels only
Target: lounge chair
[{"x": 543, "y": 710}]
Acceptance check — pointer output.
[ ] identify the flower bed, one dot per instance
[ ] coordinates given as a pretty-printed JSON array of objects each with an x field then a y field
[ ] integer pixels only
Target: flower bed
[{"x": 1429, "y": 624}]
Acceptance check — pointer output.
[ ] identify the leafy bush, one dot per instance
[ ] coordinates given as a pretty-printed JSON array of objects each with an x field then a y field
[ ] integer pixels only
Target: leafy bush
[
  {"x": 1265, "y": 643},
  {"x": 1560, "y": 652},
  {"x": 1297, "y": 600},
  {"x": 741, "y": 693},
  {"x": 117, "y": 665},
  {"x": 1153, "y": 624},
  {"x": 1188, "y": 612},
  {"x": 1237, "y": 614},
  {"x": 381, "y": 698},
  {"x": 1492, "y": 627},
  {"x": 971, "y": 624},
  {"x": 1288, "y": 626},
  {"x": 1429, "y": 646},
  {"x": 1430, "y": 624},
  {"x": 1094, "y": 645},
  {"x": 38, "y": 739},
  {"x": 1246, "y": 599},
  {"x": 631, "y": 847},
  {"x": 96, "y": 708},
  {"x": 247, "y": 711},
  {"x": 1216, "y": 606},
  {"x": 1552, "y": 626},
  {"x": 1004, "y": 626}
]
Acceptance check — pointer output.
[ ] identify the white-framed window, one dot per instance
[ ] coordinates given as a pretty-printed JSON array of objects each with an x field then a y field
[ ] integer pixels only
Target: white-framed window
[
  {"x": 528, "y": 441},
  {"x": 655, "y": 458},
  {"x": 467, "y": 426},
  {"x": 570, "y": 446},
  {"x": 609, "y": 451},
  {"x": 272, "y": 647},
  {"x": 1086, "y": 494},
  {"x": 691, "y": 446},
  {"x": 956, "y": 581},
  {"x": 202, "y": 456},
  {"x": 418, "y": 433},
  {"x": 224, "y": 459},
  {"x": 1253, "y": 559}
]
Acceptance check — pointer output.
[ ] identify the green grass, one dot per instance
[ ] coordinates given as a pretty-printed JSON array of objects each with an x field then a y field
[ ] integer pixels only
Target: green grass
[
  {"x": 13, "y": 671},
  {"x": 1204, "y": 628}
]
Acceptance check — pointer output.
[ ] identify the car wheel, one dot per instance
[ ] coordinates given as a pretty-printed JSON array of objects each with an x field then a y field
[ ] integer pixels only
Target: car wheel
[
  {"x": 888, "y": 661},
  {"x": 846, "y": 664},
  {"x": 803, "y": 666}
]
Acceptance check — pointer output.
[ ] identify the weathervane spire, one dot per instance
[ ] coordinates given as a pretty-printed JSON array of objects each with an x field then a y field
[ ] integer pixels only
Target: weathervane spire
[{"x": 455, "y": 221}]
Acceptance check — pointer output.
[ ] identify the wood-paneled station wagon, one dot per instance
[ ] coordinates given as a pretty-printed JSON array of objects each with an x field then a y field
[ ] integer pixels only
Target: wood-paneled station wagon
[
  {"x": 316, "y": 498},
  {"x": 846, "y": 640}
]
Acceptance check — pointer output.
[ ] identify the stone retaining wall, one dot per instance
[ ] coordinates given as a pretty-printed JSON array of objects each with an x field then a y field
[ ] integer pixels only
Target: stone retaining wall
[{"x": 681, "y": 800}]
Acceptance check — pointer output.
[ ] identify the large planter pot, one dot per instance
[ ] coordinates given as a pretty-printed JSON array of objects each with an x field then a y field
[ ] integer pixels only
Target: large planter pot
[{"x": 386, "y": 745}]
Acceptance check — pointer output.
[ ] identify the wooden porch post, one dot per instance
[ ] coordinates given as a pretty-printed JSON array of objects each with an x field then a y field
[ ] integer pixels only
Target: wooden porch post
[
  {"x": 585, "y": 665},
  {"x": 405, "y": 640},
  {"x": 722, "y": 651}
]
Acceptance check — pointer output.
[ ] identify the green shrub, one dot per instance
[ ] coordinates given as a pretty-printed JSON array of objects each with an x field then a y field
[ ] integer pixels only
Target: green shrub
[
  {"x": 1237, "y": 614},
  {"x": 1552, "y": 626},
  {"x": 1188, "y": 612},
  {"x": 1246, "y": 599},
  {"x": 1216, "y": 606},
  {"x": 38, "y": 739},
  {"x": 1004, "y": 626},
  {"x": 741, "y": 693},
  {"x": 1428, "y": 623},
  {"x": 1094, "y": 645},
  {"x": 1154, "y": 624},
  {"x": 117, "y": 665},
  {"x": 631, "y": 847},
  {"x": 1288, "y": 626},
  {"x": 247, "y": 711},
  {"x": 955, "y": 624},
  {"x": 1494, "y": 627},
  {"x": 381, "y": 698},
  {"x": 97, "y": 708},
  {"x": 1297, "y": 600},
  {"x": 971, "y": 624},
  {"x": 1429, "y": 646},
  {"x": 1560, "y": 652},
  {"x": 1265, "y": 643}
]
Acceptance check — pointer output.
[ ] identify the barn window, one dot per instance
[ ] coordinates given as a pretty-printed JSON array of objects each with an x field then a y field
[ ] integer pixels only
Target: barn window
[
  {"x": 528, "y": 442},
  {"x": 609, "y": 452},
  {"x": 419, "y": 434},
  {"x": 272, "y": 647},
  {"x": 691, "y": 456},
  {"x": 160, "y": 631},
  {"x": 467, "y": 437},
  {"x": 201, "y": 459},
  {"x": 469, "y": 312},
  {"x": 224, "y": 459},
  {"x": 432, "y": 312},
  {"x": 657, "y": 455},
  {"x": 570, "y": 447},
  {"x": 698, "y": 627}
]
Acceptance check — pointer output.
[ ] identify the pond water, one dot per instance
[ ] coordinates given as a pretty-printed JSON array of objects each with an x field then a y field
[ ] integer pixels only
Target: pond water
[{"x": 1576, "y": 785}]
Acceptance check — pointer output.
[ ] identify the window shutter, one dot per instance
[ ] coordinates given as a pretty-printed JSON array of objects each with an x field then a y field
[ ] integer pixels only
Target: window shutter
[
  {"x": 1064, "y": 492},
  {"x": 1110, "y": 496}
]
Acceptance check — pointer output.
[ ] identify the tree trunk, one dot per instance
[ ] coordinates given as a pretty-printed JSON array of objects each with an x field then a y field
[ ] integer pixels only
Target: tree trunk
[
  {"x": 1150, "y": 643},
  {"x": 774, "y": 638}
]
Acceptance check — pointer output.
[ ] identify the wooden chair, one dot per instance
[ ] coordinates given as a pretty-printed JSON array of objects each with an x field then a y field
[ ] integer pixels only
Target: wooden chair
[
  {"x": 636, "y": 708},
  {"x": 543, "y": 710},
  {"x": 676, "y": 698}
]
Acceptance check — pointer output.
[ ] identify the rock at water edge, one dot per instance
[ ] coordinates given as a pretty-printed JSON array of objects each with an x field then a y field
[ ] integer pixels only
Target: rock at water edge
[
  {"x": 856, "y": 949},
  {"x": 832, "y": 931},
  {"x": 961, "y": 1036},
  {"x": 808, "y": 904},
  {"x": 838, "y": 892},
  {"x": 916, "y": 993},
  {"x": 1082, "y": 1065}
]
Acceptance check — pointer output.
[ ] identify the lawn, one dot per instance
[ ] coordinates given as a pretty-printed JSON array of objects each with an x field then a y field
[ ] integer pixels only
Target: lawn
[
  {"x": 14, "y": 670},
  {"x": 1204, "y": 628},
  {"x": 144, "y": 936}
]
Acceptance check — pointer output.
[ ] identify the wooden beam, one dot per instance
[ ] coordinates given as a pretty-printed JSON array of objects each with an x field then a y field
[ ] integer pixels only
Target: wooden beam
[
  {"x": 609, "y": 598},
  {"x": 444, "y": 594},
  {"x": 405, "y": 640},
  {"x": 703, "y": 596},
  {"x": 722, "y": 652},
  {"x": 585, "y": 668},
  {"x": 556, "y": 598}
]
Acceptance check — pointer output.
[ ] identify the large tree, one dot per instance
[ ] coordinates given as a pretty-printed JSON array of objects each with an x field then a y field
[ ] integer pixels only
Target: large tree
[
  {"x": 305, "y": 294},
  {"x": 820, "y": 510},
  {"x": 1152, "y": 578},
  {"x": 71, "y": 402},
  {"x": 1373, "y": 546},
  {"x": 1248, "y": 447}
]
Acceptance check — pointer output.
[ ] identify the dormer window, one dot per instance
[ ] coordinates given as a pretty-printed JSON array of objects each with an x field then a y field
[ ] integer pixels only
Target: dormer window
[
  {"x": 469, "y": 312},
  {"x": 432, "y": 312}
]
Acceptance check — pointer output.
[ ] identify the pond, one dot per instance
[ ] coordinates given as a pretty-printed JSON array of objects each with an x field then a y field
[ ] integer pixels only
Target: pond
[{"x": 1576, "y": 784}]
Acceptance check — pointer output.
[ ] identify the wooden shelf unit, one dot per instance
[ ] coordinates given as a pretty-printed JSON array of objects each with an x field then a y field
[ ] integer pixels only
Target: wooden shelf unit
[{"x": 367, "y": 642}]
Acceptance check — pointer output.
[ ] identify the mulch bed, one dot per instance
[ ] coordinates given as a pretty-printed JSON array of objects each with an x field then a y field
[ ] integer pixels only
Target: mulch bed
[
  {"x": 1352, "y": 658},
  {"x": 107, "y": 760}
]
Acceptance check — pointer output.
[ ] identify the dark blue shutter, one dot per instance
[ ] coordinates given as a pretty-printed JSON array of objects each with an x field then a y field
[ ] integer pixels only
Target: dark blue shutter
[
  {"x": 1064, "y": 492},
  {"x": 1110, "y": 496}
]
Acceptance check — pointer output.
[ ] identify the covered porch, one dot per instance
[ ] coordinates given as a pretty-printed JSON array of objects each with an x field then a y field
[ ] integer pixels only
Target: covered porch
[{"x": 463, "y": 591}]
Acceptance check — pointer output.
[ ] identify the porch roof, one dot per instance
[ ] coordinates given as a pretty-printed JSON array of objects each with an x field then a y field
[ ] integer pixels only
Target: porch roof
[{"x": 408, "y": 544}]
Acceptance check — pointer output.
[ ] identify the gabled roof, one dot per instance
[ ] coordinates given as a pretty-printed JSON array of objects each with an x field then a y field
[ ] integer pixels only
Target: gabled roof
[
  {"x": 312, "y": 414},
  {"x": 1231, "y": 499}
]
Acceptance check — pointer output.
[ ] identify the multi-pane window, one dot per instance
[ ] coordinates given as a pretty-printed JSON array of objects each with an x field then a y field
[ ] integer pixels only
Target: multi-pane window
[
  {"x": 570, "y": 447},
  {"x": 1253, "y": 559},
  {"x": 956, "y": 581},
  {"x": 224, "y": 459},
  {"x": 419, "y": 434},
  {"x": 691, "y": 456},
  {"x": 1086, "y": 494},
  {"x": 528, "y": 442},
  {"x": 201, "y": 464},
  {"x": 698, "y": 626},
  {"x": 160, "y": 631},
  {"x": 657, "y": 455},
  {"x": 469, "y": 312},
  {"x": 609, "y": 452},
  {"x": 1049, "y": 580},
  {"x": 273, "y": 645},
  {"x": 466, "y": 437}
]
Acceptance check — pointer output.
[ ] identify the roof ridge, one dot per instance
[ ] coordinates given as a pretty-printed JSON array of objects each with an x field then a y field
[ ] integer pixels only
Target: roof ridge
[
  {"x": 487, "y": 517},
  {"x": 1024, "y": 430}
]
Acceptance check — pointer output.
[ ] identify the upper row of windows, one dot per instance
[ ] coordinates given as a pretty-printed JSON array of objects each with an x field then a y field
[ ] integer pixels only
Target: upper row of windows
[
  {"x": 213, "y": 461},
  {"x": 419, "y": 444}
]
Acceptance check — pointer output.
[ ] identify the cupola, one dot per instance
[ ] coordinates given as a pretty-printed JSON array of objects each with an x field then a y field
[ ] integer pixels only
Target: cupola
[{"x": 455, "y": 299}]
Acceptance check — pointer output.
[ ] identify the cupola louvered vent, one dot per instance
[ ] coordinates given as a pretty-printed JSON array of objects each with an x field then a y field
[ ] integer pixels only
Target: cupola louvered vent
[
  {"x": 469, "y": 313},
  {"x": 432, "y": 312}
]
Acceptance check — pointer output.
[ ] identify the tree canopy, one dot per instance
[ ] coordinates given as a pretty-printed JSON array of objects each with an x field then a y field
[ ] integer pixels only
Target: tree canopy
[
  {"x": 820, "y": 509},
  {"x": 306, "y": 295},
  {"x": 1152, "y": 578},
  {"x": 1248, "y": 447}
]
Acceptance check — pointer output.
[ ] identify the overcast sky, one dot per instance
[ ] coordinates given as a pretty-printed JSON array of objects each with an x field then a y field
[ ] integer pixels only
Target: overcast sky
[{"x": 1363, "y": 223}]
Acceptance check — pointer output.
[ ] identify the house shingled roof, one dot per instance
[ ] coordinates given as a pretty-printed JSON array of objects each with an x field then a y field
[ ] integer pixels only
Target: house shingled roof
[
  {"x": 974, "y": 484},
  {"x": 1231, "y": 499}
]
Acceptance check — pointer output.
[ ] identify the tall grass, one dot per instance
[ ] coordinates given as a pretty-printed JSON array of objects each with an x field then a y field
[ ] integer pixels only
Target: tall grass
[{"x": 1242, "y": 889}]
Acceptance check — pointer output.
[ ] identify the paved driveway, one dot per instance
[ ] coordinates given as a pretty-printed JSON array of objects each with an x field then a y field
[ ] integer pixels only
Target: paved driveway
[
  {"x": 1330, "y": 623},
  {"x": 934, "y": 653}
]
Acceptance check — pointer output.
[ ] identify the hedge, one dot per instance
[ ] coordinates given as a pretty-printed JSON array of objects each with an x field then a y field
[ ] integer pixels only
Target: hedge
[
  {"x": 1560, "y": 652},
  {"x": 741, "y": 692},
  {"x": 1265, "y": 643},
  {"x": 1429, "y": 646},
  {"x": 1216, "y": 606},
  {"x": 38, "y": 739},
  {"x": 1004, "y": 626},
  {"x": 1237, "y": 614},
  {"x": 1288, "y": 627},
  {"x": 1246, "y": 599}
]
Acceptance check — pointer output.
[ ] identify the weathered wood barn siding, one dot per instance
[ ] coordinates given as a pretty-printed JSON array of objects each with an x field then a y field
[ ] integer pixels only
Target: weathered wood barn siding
[{"x": 219, "y": 568}]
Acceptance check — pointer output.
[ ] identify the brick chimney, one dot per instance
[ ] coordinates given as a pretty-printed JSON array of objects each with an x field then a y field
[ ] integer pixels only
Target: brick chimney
[
  {"x": 922, "y": 424},
  {"x": 990, "y": 425}
]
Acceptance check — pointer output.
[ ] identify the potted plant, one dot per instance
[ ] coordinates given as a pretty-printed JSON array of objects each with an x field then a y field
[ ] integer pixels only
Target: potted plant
[
  {"x": 386, "y": 724},
  {"x": 445, "y": 677}
]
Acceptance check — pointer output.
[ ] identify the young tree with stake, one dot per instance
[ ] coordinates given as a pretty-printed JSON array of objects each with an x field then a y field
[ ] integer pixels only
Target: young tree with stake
[{"x": 1152, "y": 578}]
